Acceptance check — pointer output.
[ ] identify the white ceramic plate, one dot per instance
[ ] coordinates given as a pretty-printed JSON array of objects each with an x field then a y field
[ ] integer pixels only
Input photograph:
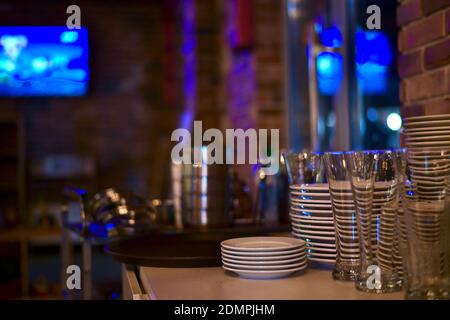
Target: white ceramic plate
[
  {"x": 313, "y": 205},
  {"x": 316, "y": 237},
  {"x": 297, "y": 259},
  {"x": 321, "y": 260},
  {"x": 262, "y": 253},
  {"x": 322, "y": 249},
  {"x": 265, "y": 267},
  {"x": 310, "y": 211},
  {"x": 295, "y": 215},
  {"x": 264, "y": 275},
  {"x": 313, "y": 227},
  {"x": 322, "y": 255},
  {"x": 263, "y": 258},
  {"x": 313, "y": 245},
  {"x": 308, "y": 232},
  {"x": 310, "y": 222},
  {"x": 259, "y": 244},
  {"x": 303, "y": 200},
  {"x": 316, "y": 186},
  {"x": 321, "y": 196}
]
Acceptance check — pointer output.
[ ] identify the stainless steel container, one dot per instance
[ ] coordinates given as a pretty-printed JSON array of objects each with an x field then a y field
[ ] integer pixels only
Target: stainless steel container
[{"x": 201, "y": 195}]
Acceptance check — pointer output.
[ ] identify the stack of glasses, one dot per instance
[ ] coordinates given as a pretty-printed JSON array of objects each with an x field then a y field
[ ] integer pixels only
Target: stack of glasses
[
  {"x": 426, "y": 207},
  {"x": 372, "y": 222},
  {"x": 390, "y": 213}
]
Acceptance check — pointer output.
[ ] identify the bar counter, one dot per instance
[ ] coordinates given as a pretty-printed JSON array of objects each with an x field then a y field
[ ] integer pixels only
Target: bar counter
[{"x": 217, "y": 284}]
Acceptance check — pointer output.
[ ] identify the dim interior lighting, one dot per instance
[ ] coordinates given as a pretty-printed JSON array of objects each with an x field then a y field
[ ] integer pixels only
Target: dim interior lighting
[
  {"x": 329, "y": 72},
  {"x": 329, "y": 65},
  {"x": 372, "y": 114},
  {"x": 394, "y": 121},
  {"x": 373, "y": 57},
  {"x": 332, "y": 37},
  {"x": 373, "y": 46},
  {"x": 331, "y": 120},
  {"x": 293, "y": 8}
]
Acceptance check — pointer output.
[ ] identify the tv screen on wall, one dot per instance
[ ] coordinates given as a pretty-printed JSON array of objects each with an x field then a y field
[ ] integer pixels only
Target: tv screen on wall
[{"x": 43, "y": 61}]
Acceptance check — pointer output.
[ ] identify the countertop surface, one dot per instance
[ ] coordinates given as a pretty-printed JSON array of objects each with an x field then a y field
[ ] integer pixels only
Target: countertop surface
[{"x": 218, "y": 284}]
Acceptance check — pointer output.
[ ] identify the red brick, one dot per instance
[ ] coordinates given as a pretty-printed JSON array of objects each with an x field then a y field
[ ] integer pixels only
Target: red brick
[
  {"x": 412, "y": 110},
  {"x": 410, "y": 64},
  {"x": 423, "y": 32},
  {"x": 426, "y": 85},
  {"x": 430, "y": 6},
  {"x": 448, "y": 79},
  {"x": 448, "y": 20},
  {"x": 433, "y": 107},
  {"x": 439, "y": 106},
  {"x": 408, "y": 11},
  {"x": 402, "y": 92},
  {"x": 437, "y": 55}
]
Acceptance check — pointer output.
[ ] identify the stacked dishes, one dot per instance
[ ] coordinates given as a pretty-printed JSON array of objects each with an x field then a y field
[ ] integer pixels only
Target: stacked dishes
[
  {"x": 427, "y": 131},
  {"x": 312, "y": 220},
  {"x": 264, "y": 257}
]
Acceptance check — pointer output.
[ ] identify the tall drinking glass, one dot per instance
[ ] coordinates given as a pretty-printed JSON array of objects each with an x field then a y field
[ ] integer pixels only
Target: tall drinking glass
[
  {"x": 347, "y": 242},
  {"x": 427, "y": 210},
  {"x": 375, "y": 191}
]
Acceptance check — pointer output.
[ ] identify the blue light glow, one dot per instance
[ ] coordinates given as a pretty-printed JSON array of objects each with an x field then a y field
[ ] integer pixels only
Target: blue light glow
[
  {"x": 372, "y": 114},
  {"x": 373, "y": 57},
  {"x": 43, "y": 61},
  {"x": 329, "y": 72},
  {"x": 373, "y": 46},
  {"x": 332, "y": 37}
]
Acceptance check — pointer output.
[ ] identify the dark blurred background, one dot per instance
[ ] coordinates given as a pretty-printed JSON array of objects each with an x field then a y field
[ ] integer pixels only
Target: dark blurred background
[{"x": 155, "y": 66}]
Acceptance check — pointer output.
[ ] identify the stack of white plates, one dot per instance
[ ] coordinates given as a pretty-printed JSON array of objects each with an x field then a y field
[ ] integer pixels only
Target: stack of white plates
[
  {"x": 312, "y": 220},
  {"x": 427, "y": 131},
  {"x": 264, "y": 257}
]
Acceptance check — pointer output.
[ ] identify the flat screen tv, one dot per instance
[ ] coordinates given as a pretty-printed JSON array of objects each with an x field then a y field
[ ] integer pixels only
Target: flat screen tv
[{"x": 43, "y": 61}]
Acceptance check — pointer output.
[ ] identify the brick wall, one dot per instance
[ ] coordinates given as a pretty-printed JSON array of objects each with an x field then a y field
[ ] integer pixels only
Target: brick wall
[
  {"x": 254, "y": 75},
  {"x": 424, "y": 60}
]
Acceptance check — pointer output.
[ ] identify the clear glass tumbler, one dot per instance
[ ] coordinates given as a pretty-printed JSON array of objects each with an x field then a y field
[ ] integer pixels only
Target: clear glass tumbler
[
  {"x": 375, "y": 190},
  {"x": 427, "y": 210},
  {"x": 347, "y": 242}
]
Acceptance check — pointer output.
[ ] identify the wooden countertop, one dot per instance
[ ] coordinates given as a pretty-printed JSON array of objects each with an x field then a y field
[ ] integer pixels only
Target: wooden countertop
[{"x": 217, "y": 284}]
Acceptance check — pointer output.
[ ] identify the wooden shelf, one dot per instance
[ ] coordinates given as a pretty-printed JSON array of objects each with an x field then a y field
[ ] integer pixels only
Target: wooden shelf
[{"x": 12, "y": 165}]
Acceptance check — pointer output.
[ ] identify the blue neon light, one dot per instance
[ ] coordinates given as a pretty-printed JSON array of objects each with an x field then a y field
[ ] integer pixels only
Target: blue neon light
[
  {"x": 332, "y": 37},
  {"x": 329, "y": 72},
  {"x": 373, "y": 57}
]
